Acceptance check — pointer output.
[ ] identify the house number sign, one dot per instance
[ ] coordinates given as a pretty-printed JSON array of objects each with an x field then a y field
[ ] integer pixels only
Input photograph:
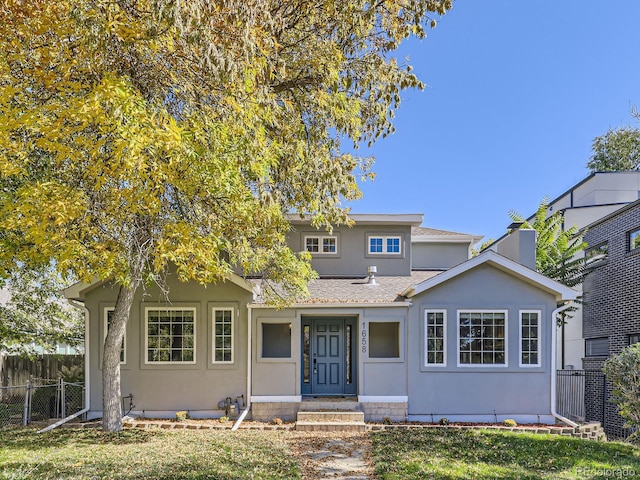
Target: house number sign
[{"x": 363, "y": 340}]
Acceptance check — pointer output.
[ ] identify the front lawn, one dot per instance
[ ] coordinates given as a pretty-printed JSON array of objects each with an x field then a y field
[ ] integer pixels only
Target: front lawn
[
  {"x": 144, "y": 454},
  {"x": 485, "y": 454}
]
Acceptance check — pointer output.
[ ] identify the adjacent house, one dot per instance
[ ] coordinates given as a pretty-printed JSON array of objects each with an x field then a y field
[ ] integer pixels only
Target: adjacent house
[
  {"x": 401, "y": 320},
  {"x": 611, "y": 305}
]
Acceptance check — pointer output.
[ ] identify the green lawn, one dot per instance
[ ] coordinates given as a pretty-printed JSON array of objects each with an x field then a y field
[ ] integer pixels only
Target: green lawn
[
  {"x": 144, "y": 454},
  {"x": 485, "y": 454}
]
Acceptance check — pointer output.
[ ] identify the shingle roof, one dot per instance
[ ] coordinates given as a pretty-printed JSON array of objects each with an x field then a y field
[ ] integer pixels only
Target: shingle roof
[{"x": 433, "y": 231}]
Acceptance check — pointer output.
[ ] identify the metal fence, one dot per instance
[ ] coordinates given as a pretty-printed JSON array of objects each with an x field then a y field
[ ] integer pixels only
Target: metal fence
[
  {"x": 40, "y": 400},
  {"x": 570, "y": 394}
]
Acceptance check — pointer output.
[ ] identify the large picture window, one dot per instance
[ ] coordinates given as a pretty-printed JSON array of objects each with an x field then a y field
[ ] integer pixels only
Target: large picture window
[
  {"x": 529, "y": 338},
  {"x": 170, "y": 335},
  {"x": 435, "y": 337},
  {"x": 108, "y": 316},
  {"x": 482, "y": 337},
  {"x": 223, "y": 335}
]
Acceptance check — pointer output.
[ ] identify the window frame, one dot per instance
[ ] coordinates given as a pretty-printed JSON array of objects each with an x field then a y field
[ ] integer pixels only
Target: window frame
[
  {"x": 215, "y": 309},
  {"x": 147, "y": 309},
  {"x": 586, "y": 350},
  {"x": 425, "y": 362},
  {"x": 505, "y": 339},
  {"x": 321, "y": 244},
  {"x": 105, "y": 328},
  {"x": 592, "y": 258},
  {"x": 538, "y": 339},
  {"x": 385, "y": 245},
  {"x": 631, "y": 236}
]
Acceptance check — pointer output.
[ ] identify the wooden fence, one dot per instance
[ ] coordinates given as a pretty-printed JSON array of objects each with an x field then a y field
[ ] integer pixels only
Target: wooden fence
[{"x": 16, "y": 370}]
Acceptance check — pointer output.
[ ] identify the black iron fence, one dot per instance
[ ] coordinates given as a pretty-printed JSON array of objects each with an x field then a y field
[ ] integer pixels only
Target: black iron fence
[{"x": 40, "y": 400}]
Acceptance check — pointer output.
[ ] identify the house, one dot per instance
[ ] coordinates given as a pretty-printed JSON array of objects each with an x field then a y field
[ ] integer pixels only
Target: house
[
  {"x": 593, "y": 198},
  {"x": 401, "y": 320},
  {"x": 612, "y": 303}
]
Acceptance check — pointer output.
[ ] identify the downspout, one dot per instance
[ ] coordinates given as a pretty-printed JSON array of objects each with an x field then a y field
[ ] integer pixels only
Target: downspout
[
  {"x": 87, "y": 391},
  {"x": 554, "y": 330},
  {"x": 249, "y": 357}
]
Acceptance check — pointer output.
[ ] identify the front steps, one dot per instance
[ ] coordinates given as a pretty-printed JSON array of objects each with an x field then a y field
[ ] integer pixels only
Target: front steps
[{"x": 330, "y": 415}]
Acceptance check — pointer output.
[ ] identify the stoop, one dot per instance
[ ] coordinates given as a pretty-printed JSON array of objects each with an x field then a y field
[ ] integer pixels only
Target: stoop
[{"x": 330, "y": 416}]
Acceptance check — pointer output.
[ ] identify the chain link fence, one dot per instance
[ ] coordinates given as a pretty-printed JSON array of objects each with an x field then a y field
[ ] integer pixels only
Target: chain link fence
[{"x": 40, "y": 400}]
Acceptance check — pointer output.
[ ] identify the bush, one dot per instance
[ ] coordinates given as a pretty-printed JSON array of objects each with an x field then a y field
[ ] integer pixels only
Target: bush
[
  {"x": 443, "y": 421},
  {"x": 623, "y": 372},
  {"x": 510, "y": 422},
  {"x": 182, "y": 415}
]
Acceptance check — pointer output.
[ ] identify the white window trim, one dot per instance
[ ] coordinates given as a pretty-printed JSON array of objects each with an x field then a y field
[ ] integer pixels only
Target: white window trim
[
  {"x": 105, "y": 325},
  {"x": 530, "y": 365},
  {"x": 444, "y": 339},
  {"x": 213, "y": 335},
  {"x": 146, "y": 334},
  {"x": 321, "y": 239},
  {"x": 384, "y": 244},
  {"x": 506, "y": 339}
]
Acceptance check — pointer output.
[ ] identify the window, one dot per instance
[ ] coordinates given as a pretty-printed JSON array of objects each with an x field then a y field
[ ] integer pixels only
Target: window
[
  {"x": 596, "y": 347},
  {"x": 276, "y": 340},
  {"x": 385, "y": 245},
  {"x": 597, "y": 253},
  {"x": 170, "y": 335},
  {"x": 633, "y": 339},
  {"x": 321, "y": 244},
  {"x": 223, "y": 335},
  {"x": 482, "y": 338},
  {"x": 384, "y": 340},
  {"x": 108, "y": 315},
  {"x": 634, "y": 239},
  {"x": 529, "y": 339},
  {"x": 435, "y": 338}
]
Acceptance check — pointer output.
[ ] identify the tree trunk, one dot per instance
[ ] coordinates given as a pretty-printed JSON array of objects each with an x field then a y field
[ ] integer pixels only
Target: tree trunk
[{"x": 111, "y": 394}]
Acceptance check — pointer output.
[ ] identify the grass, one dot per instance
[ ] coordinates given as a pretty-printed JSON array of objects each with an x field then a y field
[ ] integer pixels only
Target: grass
[
  {"x": 484, "y": 454},
  {"x": 140, "y": 454}
]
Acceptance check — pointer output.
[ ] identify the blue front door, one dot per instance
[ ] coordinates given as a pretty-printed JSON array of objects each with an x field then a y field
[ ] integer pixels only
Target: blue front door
[{"x": 328, "y": 356}]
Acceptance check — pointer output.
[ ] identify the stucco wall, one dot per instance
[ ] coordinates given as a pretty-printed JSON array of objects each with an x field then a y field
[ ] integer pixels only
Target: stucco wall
[
  {"x": 438, "y": 255},
  {"x": 453, "y": 390}
]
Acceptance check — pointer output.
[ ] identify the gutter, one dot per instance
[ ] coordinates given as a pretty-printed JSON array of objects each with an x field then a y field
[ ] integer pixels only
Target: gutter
[
  {"x": 554, "y": 330},
  {"x": 87, "y": 391}
]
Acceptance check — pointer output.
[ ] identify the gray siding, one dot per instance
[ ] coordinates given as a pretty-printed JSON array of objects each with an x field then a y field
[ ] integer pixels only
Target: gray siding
[
  {"x": 166, "y": 388},
  {"x": 480, "y": 390},
  {"x": 438, "y": 255},
  {"x": 352, "y": 258}
]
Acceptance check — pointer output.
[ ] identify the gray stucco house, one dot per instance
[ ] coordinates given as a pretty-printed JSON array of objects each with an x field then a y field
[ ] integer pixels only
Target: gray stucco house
[{"x": 402, "y": 320}]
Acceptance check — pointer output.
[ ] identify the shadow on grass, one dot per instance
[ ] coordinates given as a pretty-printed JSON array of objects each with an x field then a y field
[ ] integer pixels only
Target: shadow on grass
[{"x": 459, "y": 454}]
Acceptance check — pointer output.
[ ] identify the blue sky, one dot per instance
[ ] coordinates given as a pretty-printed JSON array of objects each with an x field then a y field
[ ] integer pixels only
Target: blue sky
[{"x": 517, "y": 90}]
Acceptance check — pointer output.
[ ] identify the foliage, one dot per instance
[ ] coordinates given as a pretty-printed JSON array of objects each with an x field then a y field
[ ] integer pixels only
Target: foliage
[
  {"x": 36, "y": 314},
  {"x": 182, "y": 415},
  {"x": 510, "y": 422},
  {"x": 617, "y": 150},
  {"x": 466, "y": 454},
  {"x": 140, "y": 136},
  {"x": 558, "y": 248},
  {"x": 623, "y": 372},
  {"x": 143, "y": 454}
]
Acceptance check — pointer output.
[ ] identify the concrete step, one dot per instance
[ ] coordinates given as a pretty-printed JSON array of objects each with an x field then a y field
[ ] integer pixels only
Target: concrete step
[
  {"x": 331, "y": 416},
  {"x": 318, "y": 405},
  {"x": 330, "y": 426}
]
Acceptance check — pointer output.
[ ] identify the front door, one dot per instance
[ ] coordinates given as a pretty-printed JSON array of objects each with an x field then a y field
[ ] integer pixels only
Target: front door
[{"x": 328, "y": 353}]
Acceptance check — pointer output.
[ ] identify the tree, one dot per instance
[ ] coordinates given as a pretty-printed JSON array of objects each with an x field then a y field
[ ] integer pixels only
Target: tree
[
  {"x": 558, "y": 249},
  {"x": 623, "y": 371},
  {"x": 143, "y": 135},
  {"x": 616, "y": 150},
  {"x": 35, "y": 314}
]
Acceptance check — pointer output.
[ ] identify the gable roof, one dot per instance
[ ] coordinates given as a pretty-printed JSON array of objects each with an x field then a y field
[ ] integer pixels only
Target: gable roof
[{"x": 488, "y": 257}]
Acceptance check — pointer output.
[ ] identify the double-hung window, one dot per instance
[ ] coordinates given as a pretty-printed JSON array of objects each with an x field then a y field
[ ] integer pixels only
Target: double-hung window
[
  {"x": 108, "y": 316},
  {"x": 529, "y": 338},
  {"x": 435, "y": 338},
  {"x": 321, "y": 244},
  {"x": 170, "y": 335},
  {"x": 387, "y": 245},
  {"x": 482, "y": 337},
  {"x": 222, "y": 335}
]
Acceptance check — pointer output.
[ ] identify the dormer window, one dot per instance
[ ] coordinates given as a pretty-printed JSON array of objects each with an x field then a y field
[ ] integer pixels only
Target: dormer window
[
  {"x": 321, "y": 244},
  {"x": 386, "y": 245}
]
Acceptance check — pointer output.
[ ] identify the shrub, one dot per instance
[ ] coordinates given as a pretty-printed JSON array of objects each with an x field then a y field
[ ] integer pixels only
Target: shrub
[
  {"x": 182, "y": 415},
  {"x": 443, "y": 421},
  {"x": 223, "y": 419},
  {"x": 387, "y": 421},
  {"x": 510, "y": 422},
  {"x": 277, "y": 421},
  {"x": 623, "y": 371}
]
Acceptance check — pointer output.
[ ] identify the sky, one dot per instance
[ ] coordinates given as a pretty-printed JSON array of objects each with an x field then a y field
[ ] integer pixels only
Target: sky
[{"x": 516, "y": 92}]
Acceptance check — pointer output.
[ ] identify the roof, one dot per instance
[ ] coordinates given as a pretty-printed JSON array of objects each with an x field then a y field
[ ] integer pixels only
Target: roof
[
  {"x": 627, "y": 206},
  {"x": 387, "y": 289},
  {"x": 426, "y": 234},
  {"x": 488, "y": 257},
  {"x": 370, "y": 218}
]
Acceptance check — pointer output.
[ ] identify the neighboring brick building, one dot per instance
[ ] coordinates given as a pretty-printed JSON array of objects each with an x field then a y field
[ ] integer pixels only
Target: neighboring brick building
[{"x": 611, "y": 311}]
